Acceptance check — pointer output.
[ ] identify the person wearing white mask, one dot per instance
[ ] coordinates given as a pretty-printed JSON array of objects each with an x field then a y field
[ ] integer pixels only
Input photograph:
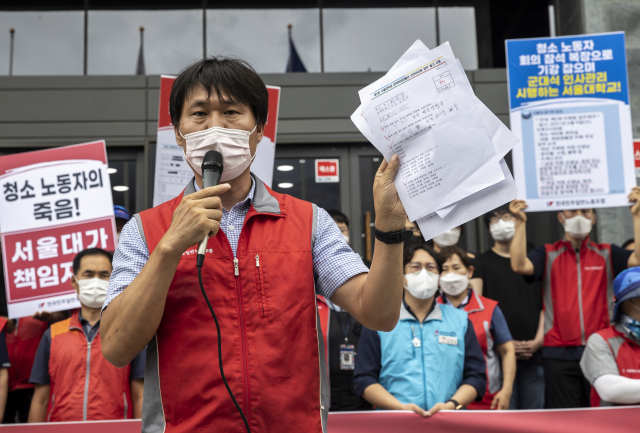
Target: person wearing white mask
[
  {"x": 431, "y": 360},
  {"x": 489, "y": 324},
  {"x": 451, "y": 238},
  {"x": 576, "y": 276},
  {"x": 267, "y": 256},
  {"x": 521, "y": 304},
  {"x": 69, "y": 370}
]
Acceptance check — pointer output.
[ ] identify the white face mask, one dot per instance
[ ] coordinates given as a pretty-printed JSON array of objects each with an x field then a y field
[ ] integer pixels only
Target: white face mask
[
  {"x": 233, "y": 144},
  {"x": 423, "y": 284},
  {"x": 453, "y": 284},
  {"x": 503, "y": 230},
  {"x": 346, "y": 238},
  {"x": 448, "y": 238},
  {"x": 578, "y": 226},
  {"x": 93, "y": 292}
]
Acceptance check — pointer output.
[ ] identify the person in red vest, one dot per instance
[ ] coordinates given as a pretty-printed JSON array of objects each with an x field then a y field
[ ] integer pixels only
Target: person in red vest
[
  {"x": 73, "y": 381},
  {"x": 488, "y": 322},
  {"x": 267, "y": 256},
  {"x": 577, "y": 284},
  {"x": 611, "y": 360},
  {"x": 22, "y": 345}
]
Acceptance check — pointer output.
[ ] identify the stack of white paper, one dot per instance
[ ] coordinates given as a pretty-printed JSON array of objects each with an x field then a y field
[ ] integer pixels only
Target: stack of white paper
[{"x": 451, "y": 146}]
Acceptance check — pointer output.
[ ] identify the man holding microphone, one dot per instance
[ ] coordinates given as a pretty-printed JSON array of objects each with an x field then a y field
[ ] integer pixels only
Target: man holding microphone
[{"x": 267, "y": 257}]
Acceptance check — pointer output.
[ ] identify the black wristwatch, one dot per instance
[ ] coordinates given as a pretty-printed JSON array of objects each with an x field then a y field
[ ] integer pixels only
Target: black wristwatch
[
  {"x": 392, "y": 237},
  {"x": 457, "y": 405}
]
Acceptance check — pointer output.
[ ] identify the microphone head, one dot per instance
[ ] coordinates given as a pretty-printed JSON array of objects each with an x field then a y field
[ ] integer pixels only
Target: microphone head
[{"x": 212, "y": 161}]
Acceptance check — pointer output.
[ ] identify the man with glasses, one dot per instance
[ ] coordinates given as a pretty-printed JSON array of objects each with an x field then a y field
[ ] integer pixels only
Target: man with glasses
[
  {"x": 521, "y": 304},
  {"x": 577, "y": 281}
]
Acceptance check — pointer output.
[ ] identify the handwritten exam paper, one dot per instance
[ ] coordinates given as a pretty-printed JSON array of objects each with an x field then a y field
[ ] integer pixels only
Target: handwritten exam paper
[
  {"x": 471, "y": 207},
  {"x": 419, "y": 113},
  {"x": 388, "y": 113}
]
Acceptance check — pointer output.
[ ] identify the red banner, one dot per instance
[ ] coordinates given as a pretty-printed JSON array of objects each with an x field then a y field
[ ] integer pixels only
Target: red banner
[{"x": 596, "y": 420}]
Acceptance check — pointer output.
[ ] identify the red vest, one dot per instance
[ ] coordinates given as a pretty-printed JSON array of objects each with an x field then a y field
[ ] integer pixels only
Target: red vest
[
  {"x": 265, "y": 302},
  {"x": 626, "y": 353},
  {"x": 480, "y": 311},
  {"x": 22, "y": 345},
  {"x": 578, "y": 292},
  {"x": 84, "y": 385}
]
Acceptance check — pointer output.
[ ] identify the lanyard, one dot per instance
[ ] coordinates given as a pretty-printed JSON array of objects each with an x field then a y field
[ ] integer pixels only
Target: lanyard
[{"x": 345, "y": 331}]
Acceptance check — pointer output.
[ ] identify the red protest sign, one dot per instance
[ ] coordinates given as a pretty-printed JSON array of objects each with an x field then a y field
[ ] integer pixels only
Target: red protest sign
[
  {"x": 55, "y": 203},
  {"x": 327, "y": 170}
]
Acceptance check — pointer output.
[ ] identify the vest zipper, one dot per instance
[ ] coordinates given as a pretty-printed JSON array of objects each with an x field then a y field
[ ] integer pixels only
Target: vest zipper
[
  {"x": 85, "y": 402},
  {"x": 126, "y": 404},
  {"x": 582, "y": 331},
  {"x": 86, "y": 383},
  {"x": 424, "y": 376},
  {"x": 263, "y": 299},
  {"x": 53, "y": 402},
  {"x": 243, "y": 339}
]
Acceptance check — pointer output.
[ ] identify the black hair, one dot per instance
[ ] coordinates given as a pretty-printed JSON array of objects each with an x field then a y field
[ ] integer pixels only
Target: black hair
[
  {"x": 628, "y": 242},
  {"x": 89, "y": 252},
  {"x": 222, "y": 75},
  {"x": 502, "y": 210},
  {"x": 410, "y": 249},
  {"x": 448, "y": 252},
  {"x": 338, "y": 216}
]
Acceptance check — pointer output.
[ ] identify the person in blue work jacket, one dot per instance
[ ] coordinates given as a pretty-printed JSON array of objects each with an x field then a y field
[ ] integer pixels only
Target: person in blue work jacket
[{"x": 432, "y": 359}]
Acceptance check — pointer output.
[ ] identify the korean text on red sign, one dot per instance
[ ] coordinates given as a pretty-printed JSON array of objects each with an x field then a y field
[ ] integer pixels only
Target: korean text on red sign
[{"x": 55, "y": 203}]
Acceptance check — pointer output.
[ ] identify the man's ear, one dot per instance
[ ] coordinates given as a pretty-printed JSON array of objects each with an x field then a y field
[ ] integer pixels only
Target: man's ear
[
  {"x": 181, "y": 141},
  {"x": 561, "y": 217},
  {"x": 75, "y": 285},
  {"x": 260, "y": 132},
  {"x": 593, "y": 218},
  {"x": 470, "y": 273}
]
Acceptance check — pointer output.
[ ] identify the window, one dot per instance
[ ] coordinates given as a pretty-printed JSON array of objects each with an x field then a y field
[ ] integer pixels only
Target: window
[
  {"x": 172, "y": 41},
  {"x": 45, "y": 43}
]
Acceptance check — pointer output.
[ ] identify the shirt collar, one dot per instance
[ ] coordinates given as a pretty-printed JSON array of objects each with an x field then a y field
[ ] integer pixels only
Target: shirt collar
[
  {"x": 84, "y": 321},
  {"x": 407, "y": 309},
  {"x": 462, "y": 304},
  {"x": 247, "y": 200}
]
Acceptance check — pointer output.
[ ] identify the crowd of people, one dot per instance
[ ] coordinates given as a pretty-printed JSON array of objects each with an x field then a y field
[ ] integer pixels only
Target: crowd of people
[{"x": 557, "y": 326}]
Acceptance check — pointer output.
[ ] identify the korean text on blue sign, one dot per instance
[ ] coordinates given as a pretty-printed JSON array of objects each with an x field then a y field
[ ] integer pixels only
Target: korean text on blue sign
[{"x": 589, "y": 66}]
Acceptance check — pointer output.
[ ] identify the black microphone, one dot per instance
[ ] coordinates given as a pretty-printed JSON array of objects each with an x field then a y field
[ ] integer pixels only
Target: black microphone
[{"x": 211, "y": 172}]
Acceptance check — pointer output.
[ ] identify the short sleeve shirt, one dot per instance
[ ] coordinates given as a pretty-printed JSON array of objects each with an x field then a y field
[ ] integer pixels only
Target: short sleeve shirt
[
  {"x": 334, "y": 262},
  {"x": 538, "y": 256},
  {"x": 597, "y": 359}
]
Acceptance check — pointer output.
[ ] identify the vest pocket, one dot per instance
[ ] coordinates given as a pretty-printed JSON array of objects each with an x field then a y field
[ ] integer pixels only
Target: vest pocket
[{"x": 260, "y": 285}]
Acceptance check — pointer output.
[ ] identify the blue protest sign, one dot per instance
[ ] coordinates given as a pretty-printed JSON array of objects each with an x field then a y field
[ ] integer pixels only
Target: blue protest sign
[{"x": 569, "y": 105}]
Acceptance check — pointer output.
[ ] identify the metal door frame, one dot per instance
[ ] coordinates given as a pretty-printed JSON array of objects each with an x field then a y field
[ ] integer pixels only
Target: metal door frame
[{"x": 324, "y": 151}]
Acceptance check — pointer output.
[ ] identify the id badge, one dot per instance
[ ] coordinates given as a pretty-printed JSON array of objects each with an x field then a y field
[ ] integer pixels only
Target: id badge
[{"x": 347, "y": 357}]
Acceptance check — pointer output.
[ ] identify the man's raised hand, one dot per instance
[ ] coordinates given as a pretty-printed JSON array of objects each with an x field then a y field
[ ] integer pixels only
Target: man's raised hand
[{"x": 197, "y": 216}]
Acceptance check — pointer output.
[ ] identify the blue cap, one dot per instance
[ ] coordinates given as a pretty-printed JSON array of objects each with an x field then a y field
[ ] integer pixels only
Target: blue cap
[
  {"x": 626, "y": 286},
  {"x": 121, "y": 212}
]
